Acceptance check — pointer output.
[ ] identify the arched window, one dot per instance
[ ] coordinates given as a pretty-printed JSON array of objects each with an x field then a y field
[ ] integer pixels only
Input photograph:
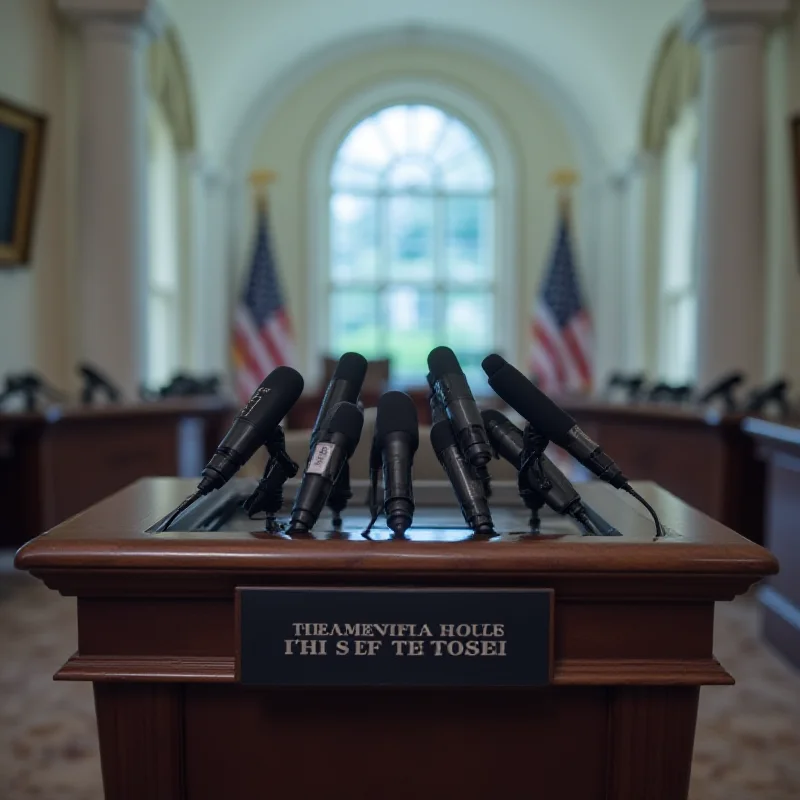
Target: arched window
[
  {"x": 678, "y": 335},
  {"x": 163, "y": 311},
  {"x": 411, "y": 242}
]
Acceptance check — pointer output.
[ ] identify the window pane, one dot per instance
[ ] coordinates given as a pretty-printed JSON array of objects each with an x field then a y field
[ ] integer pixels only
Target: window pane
[
  {"x": 366, "y": 146},
  {"x": 394, "y": 127},
  {"x": 467, "y": 237},
  {"x": 679, "y": 339},
  {"x": 407, "y": 314},
  {"x": 162, "y": 337},
  {"x": 348, "y": 176},
  {"x": 410, "y": 228},
  {"x": 353, "y": 323},
  {"x": 425, "y": 128},
  {"x": 354, "y": 237},
  {"x": 457, "y": 139},
  {"x": 407, "y": 173},
  {"x": 469, "y": 172},
  {"x": 468, "y": 321}
]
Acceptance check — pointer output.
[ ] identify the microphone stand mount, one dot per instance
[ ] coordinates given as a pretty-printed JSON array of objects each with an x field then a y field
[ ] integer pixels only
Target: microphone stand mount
[
  {"x": 533, "y": 483},
  {"x": 268, "y": 495}
]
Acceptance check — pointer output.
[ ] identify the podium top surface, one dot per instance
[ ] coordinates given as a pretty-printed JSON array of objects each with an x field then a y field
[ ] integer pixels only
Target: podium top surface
[{"x": 111, "y": 539}]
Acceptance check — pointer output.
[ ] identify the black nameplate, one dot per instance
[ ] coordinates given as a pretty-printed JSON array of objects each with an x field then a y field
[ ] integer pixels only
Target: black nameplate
[{"x": 394, "y": 637}]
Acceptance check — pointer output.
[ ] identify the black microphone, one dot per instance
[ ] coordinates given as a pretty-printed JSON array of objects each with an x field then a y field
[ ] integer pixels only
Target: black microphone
[
  {"x": 469, "y": 490},
  {"x": 393, "y": 447},
  {"x": 270, "y": 403},
  {"x": 344, "y": 387},
  {"x": 335, "y": 443},
  {"x": 555, "y": 489},
  {"x": 450, "y": 385},
  {"x": 558, "y": 426},
  {"x": 723, "y": 389},
  {"x": 255, "y": 423}
]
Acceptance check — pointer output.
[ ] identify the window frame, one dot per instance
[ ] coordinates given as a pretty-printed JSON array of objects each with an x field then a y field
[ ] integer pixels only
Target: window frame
[{"x": 481, "y": 121}]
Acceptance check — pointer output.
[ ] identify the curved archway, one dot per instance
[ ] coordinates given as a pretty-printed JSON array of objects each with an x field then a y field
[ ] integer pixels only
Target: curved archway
[
  {"x": 168, "y": 78},
  {"x": 479, "y": 120},
  {"x": 674, "y": 84},
  {"x": 591, "y": 156}
]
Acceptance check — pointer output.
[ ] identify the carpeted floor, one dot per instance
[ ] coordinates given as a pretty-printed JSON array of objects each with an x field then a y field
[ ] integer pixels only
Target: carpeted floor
[{"x": 747, "y": 745}]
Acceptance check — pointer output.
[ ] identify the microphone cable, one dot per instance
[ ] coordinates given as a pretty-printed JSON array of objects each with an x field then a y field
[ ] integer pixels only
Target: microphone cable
[
  {"x": 191, "y": 499},
  {"x": 660, "y": 532}
]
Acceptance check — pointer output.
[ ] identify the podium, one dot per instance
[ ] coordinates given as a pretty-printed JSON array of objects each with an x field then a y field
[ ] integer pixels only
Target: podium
[{"x": 632, "y": 625}]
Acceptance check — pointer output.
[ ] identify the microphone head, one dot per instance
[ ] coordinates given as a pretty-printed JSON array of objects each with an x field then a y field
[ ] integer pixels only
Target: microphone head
[
  {"x": 442, "y": 436},
  {"x": 492, "y": 363},
  {"x": 274, "y": 398},
  {"x": 351, "y": 367},
  {"x": 397, "y": 414},
  {"x": 347, "y": 420},
  {"x": 443, "y": 361},
  {"x": 527, "y": 400}
]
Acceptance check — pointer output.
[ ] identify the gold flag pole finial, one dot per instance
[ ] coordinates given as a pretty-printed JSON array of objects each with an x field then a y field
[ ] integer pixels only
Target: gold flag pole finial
[
  {"x": 260, "y": 179},
  {"x": 564, "y": 180}
]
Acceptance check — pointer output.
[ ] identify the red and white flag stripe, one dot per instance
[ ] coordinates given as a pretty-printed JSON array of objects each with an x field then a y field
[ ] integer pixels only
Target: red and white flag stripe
[{"x": 561, "y": 357}]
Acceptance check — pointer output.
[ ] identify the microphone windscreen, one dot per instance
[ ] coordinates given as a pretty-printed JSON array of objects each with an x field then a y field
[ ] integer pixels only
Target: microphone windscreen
[
  {"x": 347, "y": 420},
  {"x": 442, "y": 436},
  {"x": 527, "y": 400},
  {"x": 274, "y": 398},
  {"x": 492, "y": 363},
  {"x": 443, "y": 361},
  {"x": 397, "y": 414},
  {"x": 351, "y": 367}
]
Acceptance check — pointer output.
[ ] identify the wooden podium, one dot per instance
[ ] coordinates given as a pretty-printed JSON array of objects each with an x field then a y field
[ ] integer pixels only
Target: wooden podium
[{"x": 632, "y": 643}]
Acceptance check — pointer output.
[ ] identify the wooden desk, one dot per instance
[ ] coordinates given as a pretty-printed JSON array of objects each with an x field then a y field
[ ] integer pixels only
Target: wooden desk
[
  {"x": 56, "y": 464},
  {"x": 779, "y": 446},
  {"x": 633, "y": 626},
  {"x": 707, "y": 461}
]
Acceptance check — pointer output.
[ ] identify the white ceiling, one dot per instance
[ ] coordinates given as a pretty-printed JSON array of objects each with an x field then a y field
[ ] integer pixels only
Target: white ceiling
[{"x": 596, "y": 53}]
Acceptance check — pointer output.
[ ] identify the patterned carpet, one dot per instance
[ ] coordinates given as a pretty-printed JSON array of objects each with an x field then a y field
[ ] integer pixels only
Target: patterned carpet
[{"x": 747, "y": 745}]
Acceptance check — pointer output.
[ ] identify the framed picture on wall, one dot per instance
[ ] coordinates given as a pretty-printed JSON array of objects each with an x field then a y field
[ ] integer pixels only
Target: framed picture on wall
[{"x": 21, "y": 147}]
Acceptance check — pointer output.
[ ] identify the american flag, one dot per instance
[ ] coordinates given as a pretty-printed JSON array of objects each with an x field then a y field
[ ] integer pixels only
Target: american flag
[
  {"x": 262, "y": 330},
  {"x": 561, "y": 352}
]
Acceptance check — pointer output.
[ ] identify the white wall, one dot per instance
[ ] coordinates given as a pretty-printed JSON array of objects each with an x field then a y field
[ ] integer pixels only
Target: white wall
[
  {"x": 36, "y": 54},
  {"x": 539, "y": 139}
]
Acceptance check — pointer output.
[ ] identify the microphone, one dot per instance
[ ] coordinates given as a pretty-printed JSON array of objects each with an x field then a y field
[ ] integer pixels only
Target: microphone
[
  {"x": 344, "y": 387},
  {"x": 723, "y": 389},
  {"x": 450, "y": 386},
  {"x": 554, "y": 489},
  {"x": 270, "y": 403},
  {"x": 558, "y": 426},
  {"x": 469, "y": 491},
  {"x": 335, "y": 443},
  {"x": 393, "y": 447}
]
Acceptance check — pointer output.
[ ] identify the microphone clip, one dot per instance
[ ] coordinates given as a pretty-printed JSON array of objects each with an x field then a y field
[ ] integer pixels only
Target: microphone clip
[
  {"x": 532, "y": 483},
  {"x": 268, "y": 495}
]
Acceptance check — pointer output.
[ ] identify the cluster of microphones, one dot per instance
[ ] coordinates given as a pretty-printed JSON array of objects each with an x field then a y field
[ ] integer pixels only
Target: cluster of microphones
[
  {"x": 464, "y": 439},
  {"x": 770, "y": 398}
]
